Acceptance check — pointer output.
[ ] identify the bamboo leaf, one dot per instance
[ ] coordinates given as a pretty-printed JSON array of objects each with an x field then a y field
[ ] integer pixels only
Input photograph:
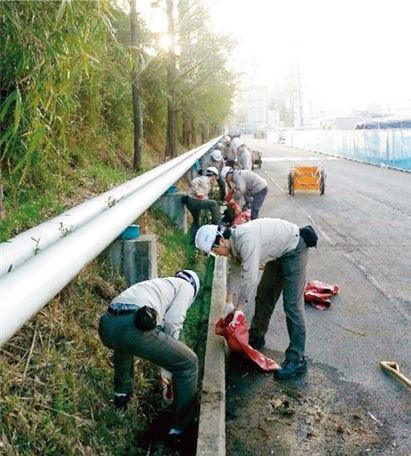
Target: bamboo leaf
[
  {"x": 60, "y": 12},
  {"x": 17, "y": 111},
  {"x": 7, "y": 102}
]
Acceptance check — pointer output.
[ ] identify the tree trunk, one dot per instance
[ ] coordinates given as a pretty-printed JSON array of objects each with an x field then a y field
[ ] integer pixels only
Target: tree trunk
[
  {"x": 171, "y": 141},
  {"x": 2, "y": 206},
  {"x": 193, "y": 132},
  {"x": 136, "y": 90},
  {"x": 186, "y": 130}
]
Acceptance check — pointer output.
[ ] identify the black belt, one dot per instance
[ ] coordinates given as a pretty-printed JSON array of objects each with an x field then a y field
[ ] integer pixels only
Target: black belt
[{"x": 122, "y": 309}]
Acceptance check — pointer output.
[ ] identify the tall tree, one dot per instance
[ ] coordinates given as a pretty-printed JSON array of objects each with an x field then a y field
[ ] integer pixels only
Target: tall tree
[
  {"x": 2, "y": 208},
  {"x": 171, "y": 141},
  {"x": 136, "y": 89}
]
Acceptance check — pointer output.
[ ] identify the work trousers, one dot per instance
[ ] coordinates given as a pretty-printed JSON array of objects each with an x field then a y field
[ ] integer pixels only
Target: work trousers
[
  {"x": 286, "y": 275},
  {"x": 221, "y": 186},
  {"x": 120, "y": 334},
  {"x": 257, "y": 201},
  {"x": 195, "y": 206}
]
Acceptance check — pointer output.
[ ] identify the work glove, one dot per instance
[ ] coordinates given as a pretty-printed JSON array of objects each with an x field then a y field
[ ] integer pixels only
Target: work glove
[
  {"x": 166, "y": 381},
  {"x": 228, "y": 308},
  {"x": 238, "y": 314}
]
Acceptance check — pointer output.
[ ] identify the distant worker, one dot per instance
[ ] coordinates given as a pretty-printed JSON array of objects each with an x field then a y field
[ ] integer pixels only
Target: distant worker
[
  {"x": 145, "y": 321},
  {"x": 229, "y": 154},
  {"x": 280, "y": 248},
  {"x": 215, "y": 159},
  {"x": 244, "y": 158},
  {"x": 247, "y": 184},
  {"x": 198, "y": 200}
]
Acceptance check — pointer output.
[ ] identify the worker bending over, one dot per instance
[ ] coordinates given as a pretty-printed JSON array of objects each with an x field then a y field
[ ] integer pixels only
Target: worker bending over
[
  {"x": 281, "y": 248},
  {"x": 247, "y": 184},
  {"x": 214, "y": 159},
  {"x": 198, "y": 200},
  {"x": 145, "y": 321}
]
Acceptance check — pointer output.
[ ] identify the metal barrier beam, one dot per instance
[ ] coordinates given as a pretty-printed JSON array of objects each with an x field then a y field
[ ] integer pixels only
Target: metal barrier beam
[
  {"x": 24, "y": 246},
  {"x": 25, "y": 290}
]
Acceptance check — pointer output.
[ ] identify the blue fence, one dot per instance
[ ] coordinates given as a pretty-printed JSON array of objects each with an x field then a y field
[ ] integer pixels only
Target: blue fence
[{"x": 381, "y": 147}]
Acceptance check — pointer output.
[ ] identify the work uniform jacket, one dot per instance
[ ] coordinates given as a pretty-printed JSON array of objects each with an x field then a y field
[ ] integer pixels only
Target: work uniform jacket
[
  {"x": 245, "y": 160},
  {"x": 171, "y": 297},
  {"x": 254, "y": 244},
  {"x": 229, "y": 153},
  {"x": 200, "y": 186},
  {"x": 246, "y": 183}
]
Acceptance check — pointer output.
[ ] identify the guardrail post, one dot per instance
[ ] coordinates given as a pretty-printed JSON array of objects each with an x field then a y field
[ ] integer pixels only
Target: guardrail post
[
  {"x": 136, "y": 258},
  {"x": 172, "y": 206}
]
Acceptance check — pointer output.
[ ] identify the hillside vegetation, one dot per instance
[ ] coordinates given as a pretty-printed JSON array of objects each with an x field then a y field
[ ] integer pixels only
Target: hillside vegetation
[
  {"x": 66, "y": 112},
  {"x": 66, "y": 119}
]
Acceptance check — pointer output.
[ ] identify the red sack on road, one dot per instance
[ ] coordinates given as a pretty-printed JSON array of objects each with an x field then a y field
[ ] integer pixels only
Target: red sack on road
[
  {"x": 318, "y": 294},
  {"x": 237, "y": 341}
]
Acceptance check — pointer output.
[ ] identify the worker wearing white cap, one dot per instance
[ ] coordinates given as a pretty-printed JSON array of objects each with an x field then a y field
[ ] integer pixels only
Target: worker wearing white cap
[
  {"x": 145, "y": 321},
  {"x": 215, "y": 159},
  {"x": 197, "y": 200},
  {"x": 244, "y": 159},
  {"x": 280, "y": 248},
  {"x": 247, "y": 184}
]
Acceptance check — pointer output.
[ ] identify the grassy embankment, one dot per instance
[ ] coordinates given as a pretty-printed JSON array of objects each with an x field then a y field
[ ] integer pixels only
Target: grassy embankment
[{"x": 56, "y": 374}]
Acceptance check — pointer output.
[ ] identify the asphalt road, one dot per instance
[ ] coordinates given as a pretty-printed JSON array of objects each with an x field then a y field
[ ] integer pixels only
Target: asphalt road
[{"x": 364, "y": 223}]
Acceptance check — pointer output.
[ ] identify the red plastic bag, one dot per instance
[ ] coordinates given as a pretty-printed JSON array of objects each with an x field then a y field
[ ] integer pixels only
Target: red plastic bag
[
  {"x": 240, "y": 216},
  {"x": 237, "y": 341},
  {"x": 318, "y": 294}
]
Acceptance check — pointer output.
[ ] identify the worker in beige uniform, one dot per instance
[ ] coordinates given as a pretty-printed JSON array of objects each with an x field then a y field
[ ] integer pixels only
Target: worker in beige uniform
[
  {"x": 229, "y": 155},
  {"x": 246, "y": 184},
  {"x": 281, "y": 248},
  {"x": 214, "y": 159},
  {"x": 145, "y": 321},
  {"x": 198, "y": 200},
  {"x": 244, "y": 158}
]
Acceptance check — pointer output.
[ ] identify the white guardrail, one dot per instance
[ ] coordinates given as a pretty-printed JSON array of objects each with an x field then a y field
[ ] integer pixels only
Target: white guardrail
[{"x": 36, "y": 276}]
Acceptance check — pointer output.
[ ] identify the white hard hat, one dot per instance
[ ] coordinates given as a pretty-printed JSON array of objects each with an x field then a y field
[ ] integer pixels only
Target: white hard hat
[
  {"x": 216, "y": 155},
  {"x": 205, "y": 237},
  {"x": 226, "y": 170},
  {"x": 236, "y": 143},
  {"x": 211, "y": 170},
  {"x": 226, "y": 139},
  {"x": 191, "y": 277}
]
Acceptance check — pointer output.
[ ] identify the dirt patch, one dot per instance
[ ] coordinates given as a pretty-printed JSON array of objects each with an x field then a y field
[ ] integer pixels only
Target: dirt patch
[{"x": 317, "y": 414}]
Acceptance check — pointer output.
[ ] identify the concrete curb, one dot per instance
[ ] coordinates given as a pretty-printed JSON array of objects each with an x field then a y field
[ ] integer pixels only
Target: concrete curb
[{"x": 211, "y": 432}]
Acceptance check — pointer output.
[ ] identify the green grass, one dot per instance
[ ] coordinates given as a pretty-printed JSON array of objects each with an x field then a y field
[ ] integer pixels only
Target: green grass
[{"x": 57, "y": 375}]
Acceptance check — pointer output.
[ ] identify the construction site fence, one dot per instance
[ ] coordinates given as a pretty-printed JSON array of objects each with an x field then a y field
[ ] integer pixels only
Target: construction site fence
[{"x": 391, "y": 148}]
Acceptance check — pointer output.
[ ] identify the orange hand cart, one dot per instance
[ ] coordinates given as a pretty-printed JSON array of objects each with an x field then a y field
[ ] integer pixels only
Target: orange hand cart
[{"x": 306, "y": 178}]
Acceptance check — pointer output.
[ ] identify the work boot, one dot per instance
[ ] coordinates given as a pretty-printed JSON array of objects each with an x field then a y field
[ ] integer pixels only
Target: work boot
[
  {"x": 256, "y": 342},
  {"x": 121, "y": 400},
  {"x": 291, "y": 368}
]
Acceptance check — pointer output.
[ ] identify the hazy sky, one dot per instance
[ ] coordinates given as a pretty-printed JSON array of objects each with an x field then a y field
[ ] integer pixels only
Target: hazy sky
[{"x": 352, "y": 52}]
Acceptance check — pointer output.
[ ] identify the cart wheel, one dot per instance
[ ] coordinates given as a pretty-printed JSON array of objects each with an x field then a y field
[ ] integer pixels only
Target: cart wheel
[
  {"x": 290, "y": 184},
  {"x": 322, "y": 183}
]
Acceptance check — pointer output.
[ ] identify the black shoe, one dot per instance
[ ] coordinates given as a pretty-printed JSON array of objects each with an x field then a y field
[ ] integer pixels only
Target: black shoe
[
  {"x": 186, "y": 442},
  {"x": 257, "y": 342},
  {"x": 291, "y": 368},
  {"x": 120, "y": 402}
]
